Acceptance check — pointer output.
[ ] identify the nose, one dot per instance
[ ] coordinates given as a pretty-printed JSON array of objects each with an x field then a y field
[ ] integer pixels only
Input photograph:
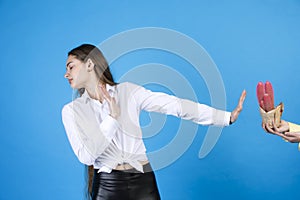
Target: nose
[{"x": 67, "y": 74}]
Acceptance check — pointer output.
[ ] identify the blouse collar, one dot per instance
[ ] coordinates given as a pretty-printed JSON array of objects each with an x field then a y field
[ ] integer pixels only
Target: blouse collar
[{"x": 109, "y": 88}]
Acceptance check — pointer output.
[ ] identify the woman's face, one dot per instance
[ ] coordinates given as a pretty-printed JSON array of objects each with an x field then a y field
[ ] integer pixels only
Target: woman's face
[{"x": 76, "y": 73}]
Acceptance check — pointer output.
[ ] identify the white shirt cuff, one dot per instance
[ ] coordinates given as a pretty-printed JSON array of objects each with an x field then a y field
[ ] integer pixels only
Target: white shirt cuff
[{"x": 221, "y": 118}]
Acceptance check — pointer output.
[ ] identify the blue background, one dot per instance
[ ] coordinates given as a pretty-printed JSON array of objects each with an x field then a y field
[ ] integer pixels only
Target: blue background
[{"x": 249, "y": 41}]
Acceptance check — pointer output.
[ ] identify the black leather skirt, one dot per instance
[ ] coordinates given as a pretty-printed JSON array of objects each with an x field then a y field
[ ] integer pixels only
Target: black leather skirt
[{"x": 125, "y": 185}]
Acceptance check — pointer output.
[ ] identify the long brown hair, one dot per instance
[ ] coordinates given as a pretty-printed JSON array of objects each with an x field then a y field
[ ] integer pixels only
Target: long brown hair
[{"x": 83, "y": 53}]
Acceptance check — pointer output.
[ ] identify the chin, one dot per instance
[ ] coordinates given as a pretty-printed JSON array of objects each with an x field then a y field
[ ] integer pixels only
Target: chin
[{"x": 74, "y": 86}]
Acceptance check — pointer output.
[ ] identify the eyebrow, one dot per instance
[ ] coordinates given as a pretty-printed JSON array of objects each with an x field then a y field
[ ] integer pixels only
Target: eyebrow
[{"x": 68, "y": 64}]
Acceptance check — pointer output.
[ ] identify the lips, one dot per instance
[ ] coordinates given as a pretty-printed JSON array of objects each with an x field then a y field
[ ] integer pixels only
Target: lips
[{"x": 70, "y": 81}]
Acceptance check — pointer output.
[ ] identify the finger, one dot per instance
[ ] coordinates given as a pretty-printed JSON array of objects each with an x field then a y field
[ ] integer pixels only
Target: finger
[
  {"x": 281, "y": 129},
  {"x": 279, "y": 134},
  {"x": 235, "y": 113},
  {"x": 274, "y": 129},
  {"x": 286, "y": 138},
  {"x": 241, "y": 101},
  {"x": 113, "y": 100},
  {"x": 269, "y": 129},
  {"x": 289, "y": 138},
  {"x": 289, "y": 134},
  {"x": 105, "y": 93},
  {"x": 274, "y": 126},
  {"x": 243, "y": 96},
  {"x": 264, "y": 126}
]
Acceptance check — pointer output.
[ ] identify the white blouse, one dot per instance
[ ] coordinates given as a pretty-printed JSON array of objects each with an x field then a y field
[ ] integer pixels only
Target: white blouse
[{"x": 98, "y": 139}]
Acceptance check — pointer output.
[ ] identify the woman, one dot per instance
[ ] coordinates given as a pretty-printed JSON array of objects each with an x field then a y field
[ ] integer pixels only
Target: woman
[{"x": 103, "y": 128}]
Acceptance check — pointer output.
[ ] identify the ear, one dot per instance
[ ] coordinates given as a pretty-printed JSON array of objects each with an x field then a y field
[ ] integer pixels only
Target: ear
[{"x": 90, "y": 65}]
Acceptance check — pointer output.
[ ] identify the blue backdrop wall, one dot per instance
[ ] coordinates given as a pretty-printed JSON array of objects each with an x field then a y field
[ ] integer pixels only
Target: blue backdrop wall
[{"x": 249, "y": 41}]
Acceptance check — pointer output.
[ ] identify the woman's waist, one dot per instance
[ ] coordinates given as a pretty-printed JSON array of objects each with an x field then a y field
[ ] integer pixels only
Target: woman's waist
[
  {"x": 114, "y": 161},
  {"x": 127, "y": 166}
]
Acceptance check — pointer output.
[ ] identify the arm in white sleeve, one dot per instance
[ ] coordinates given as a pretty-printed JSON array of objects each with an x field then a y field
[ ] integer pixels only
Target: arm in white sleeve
[
  {"x": 88, "y": 138},
  {"x": 182, "y": 108}
]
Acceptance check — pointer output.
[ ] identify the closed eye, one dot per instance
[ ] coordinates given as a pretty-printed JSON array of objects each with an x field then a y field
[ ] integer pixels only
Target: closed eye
[{"x": 70, "y": 67}]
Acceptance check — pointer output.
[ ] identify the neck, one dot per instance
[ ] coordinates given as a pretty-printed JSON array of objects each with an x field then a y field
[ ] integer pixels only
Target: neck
[
  {"x": 94, "y": 93},
  {"x": 93, "y": 89}
]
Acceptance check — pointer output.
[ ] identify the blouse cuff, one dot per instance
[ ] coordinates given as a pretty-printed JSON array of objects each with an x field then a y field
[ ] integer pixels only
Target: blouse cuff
[
  {"x": 294, "y": 127},
  {"x": 222, "y": 118}
]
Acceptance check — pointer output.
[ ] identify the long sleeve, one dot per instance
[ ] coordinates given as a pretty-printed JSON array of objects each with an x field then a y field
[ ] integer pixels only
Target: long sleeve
[
  {"x": 182, "y": 108},
  {"x": 100, "y": 140},
  {"x": 87, "y": 137},
  {"x": 294, "y": 128}
]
